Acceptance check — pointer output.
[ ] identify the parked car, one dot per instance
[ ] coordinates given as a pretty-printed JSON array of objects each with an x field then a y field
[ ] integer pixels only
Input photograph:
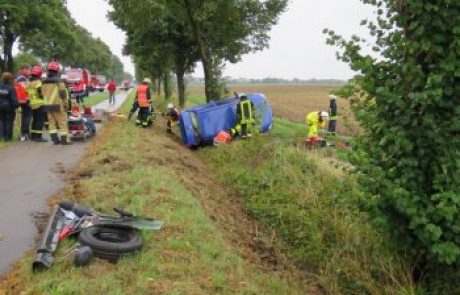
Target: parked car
[
  {"x": 99, "y": 83},
  {"x": 199, "y": 124},
  {"x": 77, "y": 78}
]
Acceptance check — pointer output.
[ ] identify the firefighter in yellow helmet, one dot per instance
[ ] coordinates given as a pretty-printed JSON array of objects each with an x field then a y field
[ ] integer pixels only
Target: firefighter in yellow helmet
[
  {"x": 55, "y": 95},
  {"x": 246, "y": 115},
  {"x": 316, "y": 120}
]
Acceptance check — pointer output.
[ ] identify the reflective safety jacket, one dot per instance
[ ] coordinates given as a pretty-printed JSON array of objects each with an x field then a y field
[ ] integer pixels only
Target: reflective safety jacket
[
  {"x": 246, "y": 112},
  {"x": 143, "y": 95},
  {"x": 34, "y": 89},
  {"x": 333, "y": 110},
  {"x": 313, "y": 123},
  {"x": 20, "y": 85},
  {"x": 54, "y": 94}
]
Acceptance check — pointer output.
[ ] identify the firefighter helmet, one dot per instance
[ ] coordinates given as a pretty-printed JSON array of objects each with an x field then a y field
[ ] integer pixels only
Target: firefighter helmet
[
  {"x": 53, "y": 66},
  {"x": 36, "y": 71}
]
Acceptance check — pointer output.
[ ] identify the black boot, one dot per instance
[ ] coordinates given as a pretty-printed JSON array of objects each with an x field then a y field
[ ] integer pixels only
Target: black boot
[
  {"x": 54, "y": 138},
  {"x": 64, "y": 140},
  {"x": 35, "y": 137}
]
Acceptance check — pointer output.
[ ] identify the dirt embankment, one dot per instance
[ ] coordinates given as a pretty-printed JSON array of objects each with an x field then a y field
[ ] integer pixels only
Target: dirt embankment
[{"x": 221, "y": 203}]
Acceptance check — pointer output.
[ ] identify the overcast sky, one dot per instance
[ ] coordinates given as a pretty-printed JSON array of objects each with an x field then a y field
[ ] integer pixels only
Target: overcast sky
[{"x": 297, "y": 46}]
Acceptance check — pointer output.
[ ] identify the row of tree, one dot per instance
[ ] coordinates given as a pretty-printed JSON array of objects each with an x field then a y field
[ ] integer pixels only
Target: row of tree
[
  {"x": 171, "y": 36},
  {"x": 46, "y": 31}
]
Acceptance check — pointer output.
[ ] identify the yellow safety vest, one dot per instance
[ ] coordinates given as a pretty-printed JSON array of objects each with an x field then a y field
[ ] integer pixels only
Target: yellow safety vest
[
  {"x": 246, "y": 114},
  {"x": 36, "y": 98}
]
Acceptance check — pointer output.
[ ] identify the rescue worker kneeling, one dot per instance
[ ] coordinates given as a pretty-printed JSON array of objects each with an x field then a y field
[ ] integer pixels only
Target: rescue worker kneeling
[
  {"x": 316, "y": 120},
  {"x": 173, "y": 117},
  {"x": 37, "y": 103},
  {"x": 245, "y": 111},
  {"x": 55, "y": 95},
  {"x": 144, "y": 100}
]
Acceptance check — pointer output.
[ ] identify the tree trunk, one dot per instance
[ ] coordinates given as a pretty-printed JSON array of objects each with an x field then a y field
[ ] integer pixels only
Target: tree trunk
[
  {"x": 209, "y": 66},
  {"x": 180, "y": 86},
  {"x": 159, "y": 87},
  {"x": 166, "y": 88},
  {"x": 7, "y": 61}
]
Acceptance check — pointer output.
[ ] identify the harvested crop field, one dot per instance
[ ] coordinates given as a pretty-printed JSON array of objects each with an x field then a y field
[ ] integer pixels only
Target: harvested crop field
[{"x": 293, "y": 102}]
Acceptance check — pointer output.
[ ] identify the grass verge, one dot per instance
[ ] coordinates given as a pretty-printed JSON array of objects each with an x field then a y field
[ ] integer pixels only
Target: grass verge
[
  {"x": 311, "y": 203},
  {"x": 191, "y": 255}
]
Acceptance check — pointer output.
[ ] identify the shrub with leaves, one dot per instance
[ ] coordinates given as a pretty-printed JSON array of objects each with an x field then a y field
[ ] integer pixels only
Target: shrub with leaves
[{"x": 408, "y": 101}]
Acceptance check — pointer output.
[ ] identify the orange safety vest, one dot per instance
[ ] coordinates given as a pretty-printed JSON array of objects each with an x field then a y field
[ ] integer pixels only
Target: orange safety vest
[
  {"x": 142, "y": 98},
  {"x": 21, "y": 92}
]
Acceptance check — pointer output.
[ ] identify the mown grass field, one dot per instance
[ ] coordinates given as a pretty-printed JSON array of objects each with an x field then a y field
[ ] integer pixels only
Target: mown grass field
[
  {"x": 201, "y": 249},
  {"x": 293, "y": 102}
]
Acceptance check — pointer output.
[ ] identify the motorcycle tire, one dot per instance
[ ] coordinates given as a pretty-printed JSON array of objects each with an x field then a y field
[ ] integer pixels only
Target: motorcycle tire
[{"x": 111, "y": 242}]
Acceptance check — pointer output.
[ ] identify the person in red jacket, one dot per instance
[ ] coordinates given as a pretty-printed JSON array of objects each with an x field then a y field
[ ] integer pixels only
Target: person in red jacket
[
  {"x": 112, "y": 87},
  {"x": 23, "y": 98}
]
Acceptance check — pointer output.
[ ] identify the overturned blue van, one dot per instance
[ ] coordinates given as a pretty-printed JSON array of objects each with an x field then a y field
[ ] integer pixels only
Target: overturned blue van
[{"x": 199, "y": 124}]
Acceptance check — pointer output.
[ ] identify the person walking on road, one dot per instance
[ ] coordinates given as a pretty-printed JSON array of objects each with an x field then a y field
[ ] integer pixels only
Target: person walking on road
[
  {"x": 55, "y": 95},
  {"x": 112, "y": 87},
  {"x": 36, "y": 104},
  {"x": 144, "y": 100},
  {"x": 23, "y": 98},
  {"x": 8, "y": 106},
  {"x": 245, "y": 111},
  {"x": 331, "y": 129}
]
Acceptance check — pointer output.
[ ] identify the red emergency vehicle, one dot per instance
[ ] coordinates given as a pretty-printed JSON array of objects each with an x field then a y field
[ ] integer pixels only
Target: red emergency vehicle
[
  {"x": 79, "y": 80},
  {"x": 99, "y": 83}
]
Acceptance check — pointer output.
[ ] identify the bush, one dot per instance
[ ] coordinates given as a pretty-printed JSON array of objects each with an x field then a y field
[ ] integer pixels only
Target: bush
[
  {"x": 408, "y": 104},
  {"x": 313, "y": 207}
]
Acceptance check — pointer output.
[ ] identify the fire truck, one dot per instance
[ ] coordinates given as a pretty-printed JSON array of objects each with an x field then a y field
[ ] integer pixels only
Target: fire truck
[
  {"x": 79, "y": 80},
  {"x": 98, "y": 82}
]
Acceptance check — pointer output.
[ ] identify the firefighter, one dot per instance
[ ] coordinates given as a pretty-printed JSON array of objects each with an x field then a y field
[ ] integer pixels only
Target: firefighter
[
  {"x": 245, "y": 111},
  {"x": 144, "y": 100},
  {"x": 173, "y": 117},
  {"x": 64, "y": 79},
  {"x": 23, "y": 98},
  {"x": 331, "y": 129},
  {"x": 8, "y": 106},
  {"x": 55, "y": 95},
  {"x": 36, "y": 104},
  {"x": 316, "y": 120},
  {"x": 79, "y": 91}
]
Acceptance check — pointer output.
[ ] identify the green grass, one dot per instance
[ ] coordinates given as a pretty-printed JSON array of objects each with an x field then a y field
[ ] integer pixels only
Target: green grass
[
  {"x": 311, "y": 204},
  {"x": 96, "y": 98},
  {"x": 189, "y": 256}
]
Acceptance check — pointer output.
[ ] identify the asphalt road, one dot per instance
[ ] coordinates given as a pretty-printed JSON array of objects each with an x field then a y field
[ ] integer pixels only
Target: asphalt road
[{"x": 30, "y": 173}]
